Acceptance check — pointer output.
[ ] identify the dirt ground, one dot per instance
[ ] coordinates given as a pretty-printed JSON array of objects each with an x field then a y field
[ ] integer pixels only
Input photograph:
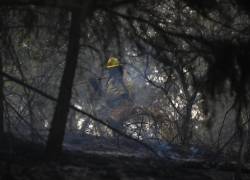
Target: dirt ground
[{"x": 27, "y": 162}]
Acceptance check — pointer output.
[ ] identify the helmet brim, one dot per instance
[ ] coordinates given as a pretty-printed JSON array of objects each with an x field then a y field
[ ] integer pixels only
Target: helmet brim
[{"x": 112, "y": 66}]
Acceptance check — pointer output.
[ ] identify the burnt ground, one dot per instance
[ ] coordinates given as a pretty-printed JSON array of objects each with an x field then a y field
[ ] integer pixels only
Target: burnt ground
[{"x": 26, "y": 162}]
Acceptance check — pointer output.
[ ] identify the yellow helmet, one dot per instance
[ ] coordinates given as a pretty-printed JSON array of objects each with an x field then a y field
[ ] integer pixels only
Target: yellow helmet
[{"x": 112, "y": 62}]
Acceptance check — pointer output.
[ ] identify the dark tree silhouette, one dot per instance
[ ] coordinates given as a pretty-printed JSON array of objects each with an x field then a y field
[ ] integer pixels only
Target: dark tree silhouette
[
  {"x": 1, "y": 100},
  {"x": 56, "y": 135}
]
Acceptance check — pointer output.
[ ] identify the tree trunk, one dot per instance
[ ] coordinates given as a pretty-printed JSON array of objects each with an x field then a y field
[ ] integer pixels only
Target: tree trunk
[
  {"x": 186, "y": 126},
  {"x": 1, "y": 100},
  {"x": 58, "y": 124},
  {"x": 242, "y": 141}
]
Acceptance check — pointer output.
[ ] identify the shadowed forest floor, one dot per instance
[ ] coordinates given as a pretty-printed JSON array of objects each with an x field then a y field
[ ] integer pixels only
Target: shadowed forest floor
[{"x": 28, "y": 163}]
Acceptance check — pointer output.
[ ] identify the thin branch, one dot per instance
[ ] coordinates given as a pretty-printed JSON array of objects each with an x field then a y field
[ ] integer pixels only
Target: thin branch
[
  {"x": 80, "y": 111},
  {"x": 223, "y": 122},
  {"x": 21, "y": 117}
]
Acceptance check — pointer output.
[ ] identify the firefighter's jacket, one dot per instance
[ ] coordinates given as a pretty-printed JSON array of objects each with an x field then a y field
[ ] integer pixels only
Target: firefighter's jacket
[
  {"x": 117, "y": 94},
  {"x": 116, "y": 91}
]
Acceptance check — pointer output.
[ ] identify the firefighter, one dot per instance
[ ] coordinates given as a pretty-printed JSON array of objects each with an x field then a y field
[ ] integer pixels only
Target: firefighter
[
  {"x": 117, "y": 95},
  {"x": 116, "y": 91}
]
